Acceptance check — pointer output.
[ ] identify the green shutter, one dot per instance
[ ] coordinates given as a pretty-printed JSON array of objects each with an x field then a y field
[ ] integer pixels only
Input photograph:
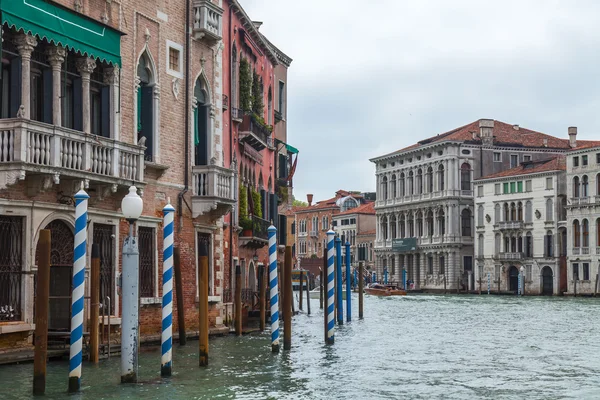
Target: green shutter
[
  {"x": 61, "y": 26},
  {"x": 520, "y": 186},
  {"x": 506, "y": 188},
  {"x": 139, "y": 109},
  {"x": 512, "y": 187},
  {"x": 196, "y": 133}
]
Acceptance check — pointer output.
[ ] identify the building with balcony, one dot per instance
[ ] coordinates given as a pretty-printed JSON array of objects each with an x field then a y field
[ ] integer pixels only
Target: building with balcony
[
  {"x": 583, "y": 217},
  {"x": 99, "y": 96},
  {"x": 520, "y": 219},
  {"x": 252, "y": 70},
  {"x": 425, "y": 192}
]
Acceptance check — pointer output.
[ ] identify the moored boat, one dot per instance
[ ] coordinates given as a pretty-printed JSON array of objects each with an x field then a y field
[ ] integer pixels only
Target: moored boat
[{"x": 378, "y": 289}]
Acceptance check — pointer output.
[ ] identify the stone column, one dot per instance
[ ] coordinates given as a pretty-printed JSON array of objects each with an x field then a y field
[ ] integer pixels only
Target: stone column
[
  {"x": 377, "y": 218},
  {"x": 111, "y": 78},
  {"x": 25, "y": 45},
  {"x": 56, "y": 56},
  {"x": 85, "y": 66},
  {"x": 450, "y": 274}
]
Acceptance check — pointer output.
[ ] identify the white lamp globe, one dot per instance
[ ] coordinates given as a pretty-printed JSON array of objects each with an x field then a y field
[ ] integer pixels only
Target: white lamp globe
[{"x": 132, "y": 205}]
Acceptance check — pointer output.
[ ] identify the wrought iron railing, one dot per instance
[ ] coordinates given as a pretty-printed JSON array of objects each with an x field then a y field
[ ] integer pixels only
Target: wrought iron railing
[
  {"x": 227, "y": 297},
  {"x": 237, "y": 114},
  {"x": 11, "y": 249},
  {"x": 247, "y": 296},
  {"x": 278, "y": 116},
  {"x": 260, "y": 228},
  {"x": 260, "y": 131}
]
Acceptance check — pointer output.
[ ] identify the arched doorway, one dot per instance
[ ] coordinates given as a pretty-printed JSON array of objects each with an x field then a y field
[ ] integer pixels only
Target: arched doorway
[
  {"x": 252, "y": 277},
  {"x": 61, "y": 265},
  {"x": 513, "y": 279},
  {"x": 547, "y": 281}
]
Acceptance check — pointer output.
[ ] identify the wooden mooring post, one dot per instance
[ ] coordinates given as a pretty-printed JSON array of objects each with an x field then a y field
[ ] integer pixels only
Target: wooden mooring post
[
  {"x": 262, "y": 279},
  {"x": 94, "y": 302},
  {"x": 238, "y": 300},
  {"x": 361, "y": 283},
  {"x": 287, "y": 299},
  {"x": 307, "y": 292},
  {"x": 179, "y": 296},
  {"x": 203, "y": 305},
  {"x": 41, "y": 314},
  {"x": 301, "y": 289}
]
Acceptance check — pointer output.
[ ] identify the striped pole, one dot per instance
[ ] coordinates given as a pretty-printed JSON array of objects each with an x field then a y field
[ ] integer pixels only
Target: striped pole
[
  {"x": 330, "y": 290},
  {"x": 79, "y": 260},
  {"x": 338, "y": 281},
  {"x": 274, "y": 287},
  {"x": 348, "y": 288},
  {"x": 166, "y": 338}
]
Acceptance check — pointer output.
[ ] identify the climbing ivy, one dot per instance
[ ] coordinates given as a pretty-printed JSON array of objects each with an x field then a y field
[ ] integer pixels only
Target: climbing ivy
[
  {"x": 257, "y": 95},
  {"x": 245, "y": 85}
]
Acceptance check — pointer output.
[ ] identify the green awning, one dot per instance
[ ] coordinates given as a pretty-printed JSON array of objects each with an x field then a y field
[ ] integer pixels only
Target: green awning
[
  {"x": 61, "y": 26},
  {"x": 291, "y": 149}
]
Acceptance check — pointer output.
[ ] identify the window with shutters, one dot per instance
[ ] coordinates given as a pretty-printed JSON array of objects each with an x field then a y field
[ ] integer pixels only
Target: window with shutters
[
  {"x": 575, "y": 271},
  {"x": 528, "y": 186},
  {"x": 549, "y": 210},
  {"x": 586, "y": 271},
  {"x": 514, "y": 160},
  {"x": 12, "y": 244},
  {"x": 174, "y": 59},
  {"x": 497, "y": 188}
]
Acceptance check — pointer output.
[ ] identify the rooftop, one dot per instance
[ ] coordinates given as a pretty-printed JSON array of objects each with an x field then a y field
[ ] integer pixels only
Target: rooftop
[
  {"x": 507, "y": 135},
  {"x": 367, "y": 208},
  {"x": 531, "y": 167}
]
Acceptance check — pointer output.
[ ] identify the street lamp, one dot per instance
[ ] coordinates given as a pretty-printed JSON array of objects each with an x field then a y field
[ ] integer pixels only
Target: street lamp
[
  {"x": 131, "y": 206},
  {"x": 522, "y": 288}
]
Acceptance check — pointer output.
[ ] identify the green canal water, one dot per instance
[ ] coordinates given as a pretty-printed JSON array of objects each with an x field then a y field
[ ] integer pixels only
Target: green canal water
[{"x": 416, "y": 347}]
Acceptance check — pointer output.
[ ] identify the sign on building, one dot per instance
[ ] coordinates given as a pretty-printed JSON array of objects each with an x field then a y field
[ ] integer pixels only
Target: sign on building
[{"x": 402, "y": 245}]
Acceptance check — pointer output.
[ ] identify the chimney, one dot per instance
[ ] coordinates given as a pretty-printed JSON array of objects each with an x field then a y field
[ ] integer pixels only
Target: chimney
[
  {"x": 516, "y": 127},
  {"x": 486, "y": 131},
  {"x": 573, "y": 136},
  {"x": 309, "y": 198},
  {"x": 545, "y": 142}
]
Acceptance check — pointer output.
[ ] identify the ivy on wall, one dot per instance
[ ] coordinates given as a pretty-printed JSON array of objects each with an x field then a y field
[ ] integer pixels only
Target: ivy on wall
[
  {"x": 245, "y": 85},
  {"x": 257, "y": 95}
]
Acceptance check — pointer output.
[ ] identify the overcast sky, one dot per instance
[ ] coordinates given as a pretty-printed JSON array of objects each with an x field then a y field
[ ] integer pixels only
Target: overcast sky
[{"x": 371, "y": 77}]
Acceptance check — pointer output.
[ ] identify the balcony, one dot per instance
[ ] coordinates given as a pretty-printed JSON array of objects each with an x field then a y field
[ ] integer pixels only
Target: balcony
[
  {"x": 278, "y": 116},
  {"x": 314, "y": 234},
  {"x": 504, "y": 225},
  {"x": 578, "y": 201},
  {"x": 254, "y": 133},
  {"x": 213, "y": 191},
  {"x": 237, "y": 115},
  {"x": 256, "y": 236},
  {"x": 510, "y": 256},
  {"x": 52, "y": 153},
  {"x": 208, "y": 21}
]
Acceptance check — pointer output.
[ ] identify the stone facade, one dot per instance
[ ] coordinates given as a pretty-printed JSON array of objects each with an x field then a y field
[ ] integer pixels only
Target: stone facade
[
  {"x": 425, "y": 192},
  {"x": 583, "y": 223},
  {"x": 519, "y": 223}
]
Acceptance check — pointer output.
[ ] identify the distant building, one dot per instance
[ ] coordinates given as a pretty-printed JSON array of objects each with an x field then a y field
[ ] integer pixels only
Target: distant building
[
  {"x": 350, "y": 224},
  {"x": 583, "y": 217},
  {"x": 517, "y": 214},
  {"x": 425, "y": 192}
]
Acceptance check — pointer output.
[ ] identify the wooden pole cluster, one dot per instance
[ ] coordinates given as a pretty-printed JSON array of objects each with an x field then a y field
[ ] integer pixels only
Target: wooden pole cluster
[
  {"x": 238, "y": 300},
  {"x": 94, "y": 302},
  {"x": 308, "y": 292},
  {"x": 41, "y": 314},
  {"x": 203, "y": 305},
  {"x": 361, "y": 283},
  {"x": 301, "y": 289},
  {"x": 262, "y": 296},
  {"x": 179, "y": 295}
]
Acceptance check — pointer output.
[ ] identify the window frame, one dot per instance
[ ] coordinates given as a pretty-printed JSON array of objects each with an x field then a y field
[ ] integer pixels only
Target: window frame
[
  {"x": 511, "y": 160},
  {"x": 497, "y": 156},
  {"x": 179, "y": 48},
  {"x": 154, "y": 299}
]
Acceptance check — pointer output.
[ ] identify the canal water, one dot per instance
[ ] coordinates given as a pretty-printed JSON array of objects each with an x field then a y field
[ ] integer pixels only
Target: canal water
[{"x": 416, "y": 347}]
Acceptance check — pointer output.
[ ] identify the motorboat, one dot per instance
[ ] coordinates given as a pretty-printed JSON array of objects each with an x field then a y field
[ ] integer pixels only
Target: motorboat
[{"x": 378, "y": 289}]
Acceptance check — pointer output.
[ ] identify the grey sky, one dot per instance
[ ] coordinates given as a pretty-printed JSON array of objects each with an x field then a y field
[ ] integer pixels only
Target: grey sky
[{"x": 372, "y": 77}]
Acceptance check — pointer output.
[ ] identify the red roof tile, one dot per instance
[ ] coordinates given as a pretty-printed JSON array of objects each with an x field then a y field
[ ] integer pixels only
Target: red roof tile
[
  {"x": 532, "y": 167},
  {"x": 367, "y": 208},
  {"x": 504, "y": 135}
]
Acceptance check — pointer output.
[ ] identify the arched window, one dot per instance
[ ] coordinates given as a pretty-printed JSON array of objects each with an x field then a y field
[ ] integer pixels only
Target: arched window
[
  {"x": 576, "y": 234},
  {"x": 584, "y": 186},
  {"x": 402, "y": 188},
  {"x": 506, "y": 212},
  {"x": 411, "y": 226},
  {"x": 442, "y": 222},
  {"x": 597, "y": 233},
  {"x": 513, "y": 212},
  {"x": 529, "y": 245},
  {"x": 410, "y": 189},
  {"x": 430, "y": 180},
  {"x": 480, "y": 245},
  {"x": 393, "y": 193},
  {"x": 393, "y": 227},
  {"x": 497, "y": 243},
  {"x": 465, "y": 176},
  {"x": 466, "y": 222},
  {"x": 480, "y": 216},
  {"x": 519, "y": 211},
  {"x": 549, "y": 244},
  {"x": 233, "y": 94},
  {"x": 202, "y": 129},
  {"x": 270, "y": 107},
  {"x": 598, "y": 185},
  {"x": 441, "y": 183},
  {"x": 497, "y": 213},
  {"x": 528, "y": 211},
  {"x": 549, "y": 210},
  {"x": 402, "y": 227},
  {"x": 146, "y": 108},
  {"x": 429, "y": 223},
  {"x": 419, "y": 224},
  {"x": 384, "y": 188},
  {"x": 576, "y": 186},
  {"x": 384, "y": 228},
  {"x": 419, "y": 189},
  {"x": 586, "y": 233}
]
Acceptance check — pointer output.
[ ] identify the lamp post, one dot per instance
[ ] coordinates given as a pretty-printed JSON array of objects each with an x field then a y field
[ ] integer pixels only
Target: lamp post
[
  {"x": 522, "y": 283},
  {"x": 131, "y": 206}
]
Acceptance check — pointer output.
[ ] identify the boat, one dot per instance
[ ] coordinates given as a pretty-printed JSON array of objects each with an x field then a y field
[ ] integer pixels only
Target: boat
[
  {"x": 378, "y": 289},
  {"x": 314, "y": 294}
]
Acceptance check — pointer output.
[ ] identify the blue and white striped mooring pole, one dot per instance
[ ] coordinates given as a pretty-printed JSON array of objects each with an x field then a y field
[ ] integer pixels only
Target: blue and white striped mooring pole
[
  {"x": 348, "y": 288},
  {"x": 330, "y": 289},
  {"x": 338, "y": 281},
  {"x": 166, "y": 338},
  {"x": 273, "y": 289},
  {"x": 79, "y": 260}
]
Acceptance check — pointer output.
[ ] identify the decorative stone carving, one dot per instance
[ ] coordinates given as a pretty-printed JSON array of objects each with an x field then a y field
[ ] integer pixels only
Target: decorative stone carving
[
  {"x": 9, "y": 178},
  {"x": 142, "y": 141},
  {"x": 78, "y": 6},
  {"x": 21, "y": 112},
  {"x": 25, "y": 44},
  {"x": 85, "y": 66},
  {"x": 56, "y": 55},
  {"x": 156, "y": 92},
  {"x": 175, "y": 87},
  {"x": 147, "y": 35},
  {"x": 111, "y": 75}
]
